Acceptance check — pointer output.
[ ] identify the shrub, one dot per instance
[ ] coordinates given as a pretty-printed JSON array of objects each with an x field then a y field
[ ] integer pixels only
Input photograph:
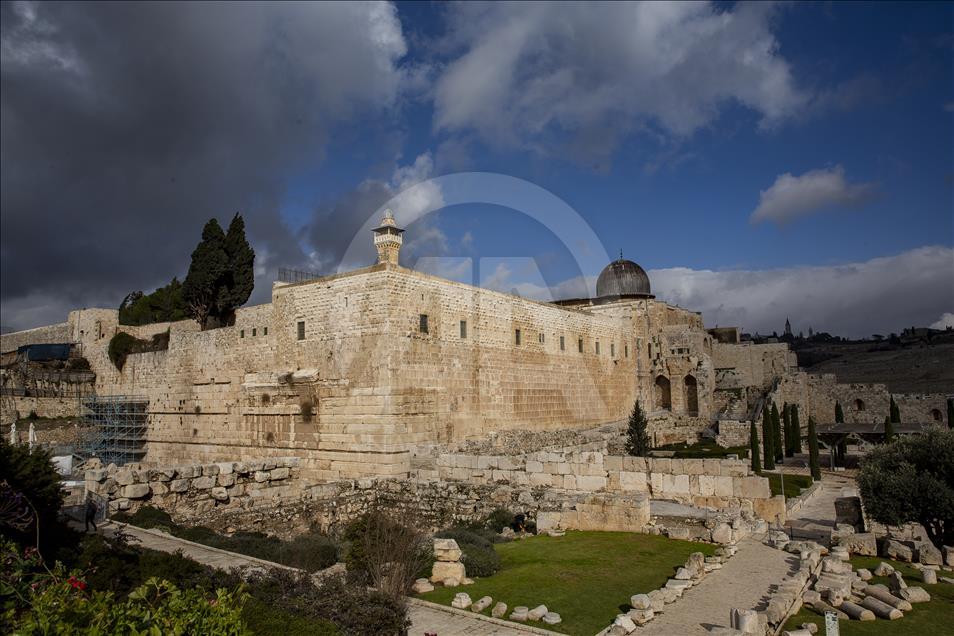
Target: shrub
[
  {"x": 122, "y": 345},
  {"x": 499, "y": 519},
  {"x": 32, "y": 490},
  {"x": 479, "y": 556},
  {"x": 387, "y": 551},
  {"x": 307, "y": 411}
]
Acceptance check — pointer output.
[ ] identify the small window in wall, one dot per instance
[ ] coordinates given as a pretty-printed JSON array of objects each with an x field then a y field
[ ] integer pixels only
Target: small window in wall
[
  {"x": 540, "y": 338},
  {"x": 264, "y": 331},
  {"x": 612, "y": 350},
  {"x": 597, "y": 347},
  {"x": 562, "y": 344},
  {"x": 517, "y": 336},
  {"x": 649, "y": 349},
  {"x": 301, "y": 329},
  {"x": 626, "y": 350},
  {"x": 254, "y": 332},
  {"x": 859, "y": 405},
  {"x": 423, "y": 324},
  {"x": 463, "y": 328},
  {"x": 579, "y": 345},
  {"x": 242, "y": 333},
  {"x": 936, "y": 414}
]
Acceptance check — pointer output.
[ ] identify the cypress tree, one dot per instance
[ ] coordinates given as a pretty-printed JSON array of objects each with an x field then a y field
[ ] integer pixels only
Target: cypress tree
[
  {"x": 637, "y": 442},
  {"x": 796, "y": 429},
  {"x": 842, "y": 448},
  {"x": 754, "y": 449},
  {"x": 950, "y": 413},
  {"x": 895, "y": 412},
  {"x": 787, "y": 427},
  {"x": 888, "y": 430},
  {"x": 200, "y": 290},
  {"x": 839, "y": 414},
  {"x": 813, "y": 450},
  {"x": 777, "y": 435},
  {"x": 768, "y": 449},
  {"x": 240, "y": 277}
]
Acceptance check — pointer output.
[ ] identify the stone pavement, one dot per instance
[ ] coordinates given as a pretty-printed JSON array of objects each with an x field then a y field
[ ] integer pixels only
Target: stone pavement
[
  {"x": 430, "y": 619},
  {"x": 816, "y": 518},
  {"x": 742, "y": 582}
]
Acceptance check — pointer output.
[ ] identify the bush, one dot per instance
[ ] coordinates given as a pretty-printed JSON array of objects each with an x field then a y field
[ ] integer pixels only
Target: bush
[
  {"x": 122, "y": 345},
  {"x": 499, "y": 519},
  {"x": 32, "y": 495},
  {"x": 479, "y": 557}
]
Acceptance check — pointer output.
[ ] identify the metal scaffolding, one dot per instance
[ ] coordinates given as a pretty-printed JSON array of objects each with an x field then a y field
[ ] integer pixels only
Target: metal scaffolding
[{"x": 116, "y": 428}]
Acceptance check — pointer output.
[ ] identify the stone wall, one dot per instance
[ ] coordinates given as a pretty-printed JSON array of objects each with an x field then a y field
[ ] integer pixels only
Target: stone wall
[
  {"x": 721, "y": 484},
  {"x": 50, "y": 334},
  {"x": 13, "y": 408},
  {"x": 194, "y": 489},
  {"x": 751, "y": 365}
]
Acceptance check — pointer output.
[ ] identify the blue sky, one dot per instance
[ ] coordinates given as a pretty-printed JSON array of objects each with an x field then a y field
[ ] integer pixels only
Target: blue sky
[{"x": 759, "y": 160}]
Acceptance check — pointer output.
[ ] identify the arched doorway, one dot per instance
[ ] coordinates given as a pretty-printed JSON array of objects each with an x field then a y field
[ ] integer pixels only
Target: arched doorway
[
  {"x": 692, "y": 395},
  {"x": 663, "y": 393},
  {"x": 936, "y": 414},
  {"x": 859, "y": 405}
]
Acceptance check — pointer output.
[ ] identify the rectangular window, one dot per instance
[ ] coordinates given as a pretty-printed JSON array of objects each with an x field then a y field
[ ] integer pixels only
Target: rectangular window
[
  {"x": 597, "y": 347},
  {"x": 264, "y": 331},
  {"x": 540, "y": 338},
  {"x": 254, "y": 332},
  {"x": 463, "y": 328},
  {"x": 301, "y": 329},
  {"x": 580, "y": 345},
  {"x": 626, "y": 350},
  {"x": 517, "y": 336},
  {"x": 612, "y": 350},
  {"x": 423, "y": 323},
  {"x": 562, "y": 347},
  {"x": 242, "y": 333}
]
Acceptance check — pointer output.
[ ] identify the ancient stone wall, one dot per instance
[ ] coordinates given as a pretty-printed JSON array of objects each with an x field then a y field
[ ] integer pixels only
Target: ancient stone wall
[
  {"x": 714, "y": 483},
  {"x": 13, "y": 408},
  {"x": 50, "y": 334}
]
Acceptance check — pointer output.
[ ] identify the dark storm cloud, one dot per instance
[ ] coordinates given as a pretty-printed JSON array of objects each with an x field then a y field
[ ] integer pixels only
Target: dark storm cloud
[{"x": 126, "y": 126}]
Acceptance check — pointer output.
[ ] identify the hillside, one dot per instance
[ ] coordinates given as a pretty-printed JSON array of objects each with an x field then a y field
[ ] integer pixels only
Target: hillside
[{"x": 918, "y": 368}]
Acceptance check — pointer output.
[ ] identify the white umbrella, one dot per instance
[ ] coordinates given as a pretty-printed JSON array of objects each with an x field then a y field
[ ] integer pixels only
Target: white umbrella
[
  {"x": 13, "y": 433},
  {"x": 31, "y": 437}
]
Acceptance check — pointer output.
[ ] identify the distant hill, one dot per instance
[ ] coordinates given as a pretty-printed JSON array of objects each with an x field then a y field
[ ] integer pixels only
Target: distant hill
[{"x": 916, "y": 367}]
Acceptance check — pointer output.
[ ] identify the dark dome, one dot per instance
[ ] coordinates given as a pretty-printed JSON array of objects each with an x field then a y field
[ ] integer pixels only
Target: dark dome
[{"x": 622, "y": 278}]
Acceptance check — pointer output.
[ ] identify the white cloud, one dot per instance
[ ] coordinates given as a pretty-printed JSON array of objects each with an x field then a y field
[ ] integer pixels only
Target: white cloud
[
  {"x": 946, "y": 321},
  {"x": 598, "y": 71},
  {"x": 791, "y": 197}
]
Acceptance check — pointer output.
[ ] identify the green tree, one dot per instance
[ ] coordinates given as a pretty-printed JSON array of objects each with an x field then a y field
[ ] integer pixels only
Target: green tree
[
  {"x": 888, "y": 430},
  {"x": 813, "y": 450},
  {"x": 950, "y": 413},
  {"x": 768, "y": 447},
  {"x": 839, "y": 414},
  {"x": 200, "y": 291},
  {"x": 754, "y": 449},
  {"x": 841, "y": 450},
  {"x": 240, "y": 276},
  {"x": 163, "y": 305},
  {"x": 637, "y": 439},
  {"x": 796, "y": 429},
  {"x": 895, "y": 412},
  {"x": 911, "y": 480},
  {"x": 30, "y": 495},
  {"x": 787, "y": 427},
  {"x": 777, "y": 434}
]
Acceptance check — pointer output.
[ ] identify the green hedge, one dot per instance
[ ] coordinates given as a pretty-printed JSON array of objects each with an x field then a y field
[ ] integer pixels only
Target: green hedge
[{"x": 123, "y": 344}]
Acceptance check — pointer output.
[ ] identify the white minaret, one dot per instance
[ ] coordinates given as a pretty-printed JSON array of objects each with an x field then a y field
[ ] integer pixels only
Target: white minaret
[{"x": 388, "y": 239}]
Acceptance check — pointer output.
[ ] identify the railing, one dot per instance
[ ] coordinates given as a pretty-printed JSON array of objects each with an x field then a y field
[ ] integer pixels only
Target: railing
[{"x": 286, "y": 275}]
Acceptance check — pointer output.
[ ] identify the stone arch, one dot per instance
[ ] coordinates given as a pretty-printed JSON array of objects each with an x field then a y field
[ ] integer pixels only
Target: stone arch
[
  {"x": 859, "y": 405},
  {"x": 663, "y": 393},
  {"x": 936, "y": 414},
  {"x": 692, "y": 395}
]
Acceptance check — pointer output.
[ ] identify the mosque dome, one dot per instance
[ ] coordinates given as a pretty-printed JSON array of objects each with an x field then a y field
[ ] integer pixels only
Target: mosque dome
[{"x": 622, "y": 278}]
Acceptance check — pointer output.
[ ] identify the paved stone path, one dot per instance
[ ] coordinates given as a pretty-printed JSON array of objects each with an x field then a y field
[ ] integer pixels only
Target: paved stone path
[
  {"x": 742, "y": 582},
  {"x": 430, "y": 620},
  {"x": 816, "y": 519}
]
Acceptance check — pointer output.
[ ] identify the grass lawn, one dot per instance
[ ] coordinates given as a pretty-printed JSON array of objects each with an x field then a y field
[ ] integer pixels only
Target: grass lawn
[
  {"x": 794, "y": 484},
  {"x": 706, "y": 449},
  {"x": 933, "y": 618},
  {"x": 587, "y": 577}
]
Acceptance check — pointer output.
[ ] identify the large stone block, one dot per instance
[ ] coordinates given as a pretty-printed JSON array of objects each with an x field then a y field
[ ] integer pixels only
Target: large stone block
[
  {"x": 179, "y": 485},
  {"x": 446, "y": 570},
  {"x": 136, "y": 491},
  {"x": 278, "y": 473},
  {"x": 203, "y": 483},
  {"x": 862, "y": 543}
]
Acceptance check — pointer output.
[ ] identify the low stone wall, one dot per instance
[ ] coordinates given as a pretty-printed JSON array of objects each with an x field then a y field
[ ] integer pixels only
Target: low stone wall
[
  {"x": 734, "y": 433},
  {"x": 711, "y": 483},
  {"x": 16, "y": 408},
  {"x": 196, "y": 488}
]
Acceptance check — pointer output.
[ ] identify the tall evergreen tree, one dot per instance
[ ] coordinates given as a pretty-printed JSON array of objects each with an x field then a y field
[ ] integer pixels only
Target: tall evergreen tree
[
  {"x": 637, "y": 439},
  {"x": 777, "y": 435},
  {"x": 888, "y": 430},
  {"x": 813, "y": 450},
  {"x": 768, "y": 448},
  {"x": 200, "y": 290},
  {"x": 787, "y": 427},
  {"x": 950, "y": 413},
  {"x": 841, "y": 450},
  {"x": 240, "y": 278},
  {"x": 839, "y": 414},
  {"x": 895, "y": 412},
  {"x": 796, "y": 429},
  {"x": 754, "y": 454}
]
